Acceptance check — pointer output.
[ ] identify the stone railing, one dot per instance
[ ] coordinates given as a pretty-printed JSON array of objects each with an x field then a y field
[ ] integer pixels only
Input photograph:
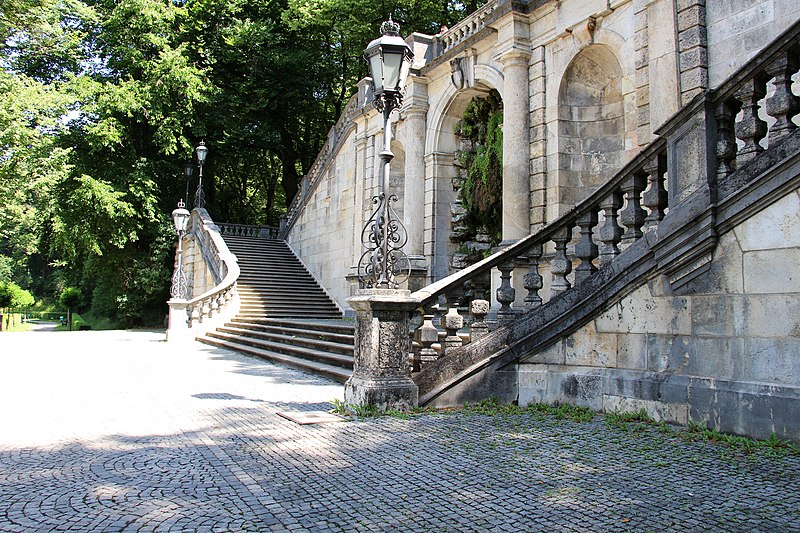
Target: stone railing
[
  {"x": 662, "y": 205},
  {"x": 336, "y": 137},
  {"x": 212, "y": 271},
  {"x": 244, "y": 230},
  {"x": 589, "y": 236},
  {"x": 465, "y": 29}
]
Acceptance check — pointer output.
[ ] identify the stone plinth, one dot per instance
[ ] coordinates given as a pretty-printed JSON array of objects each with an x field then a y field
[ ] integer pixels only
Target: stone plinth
[
  {"x": 178, "y": 329},
  {"x": 381, "y": 376}
]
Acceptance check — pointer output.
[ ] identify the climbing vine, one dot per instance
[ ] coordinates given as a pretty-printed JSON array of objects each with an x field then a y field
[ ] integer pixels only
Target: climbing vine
[{"x": 480, "y": 129}]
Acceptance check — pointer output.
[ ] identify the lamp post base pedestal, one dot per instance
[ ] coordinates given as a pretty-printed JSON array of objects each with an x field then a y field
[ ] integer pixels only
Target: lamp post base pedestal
[
  {"x": 384, "y": 393},
  {"x": 382, "y": 375}
]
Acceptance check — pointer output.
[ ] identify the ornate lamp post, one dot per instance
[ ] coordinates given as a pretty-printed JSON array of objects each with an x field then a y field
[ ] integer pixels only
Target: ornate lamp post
[
  {"x": 180, "y": 217},
  {"x": 389, "y": 59},
  {"x": 188, "y": 170},
  {"x": 199, "y": 197}
]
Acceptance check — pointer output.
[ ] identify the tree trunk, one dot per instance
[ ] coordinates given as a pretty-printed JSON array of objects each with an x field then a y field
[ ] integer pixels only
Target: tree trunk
[{"x": 289, "y": 180}]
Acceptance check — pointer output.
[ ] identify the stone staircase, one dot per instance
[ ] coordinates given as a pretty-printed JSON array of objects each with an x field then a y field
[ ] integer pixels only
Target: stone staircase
[{"x": 285, "y": 316}]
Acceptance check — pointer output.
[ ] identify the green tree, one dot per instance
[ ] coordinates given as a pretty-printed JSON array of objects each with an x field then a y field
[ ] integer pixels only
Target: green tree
[{"x": 70, "y": 298}]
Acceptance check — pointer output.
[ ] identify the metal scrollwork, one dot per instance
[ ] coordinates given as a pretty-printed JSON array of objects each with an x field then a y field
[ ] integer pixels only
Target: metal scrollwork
[{"x": 384, "y": 264}]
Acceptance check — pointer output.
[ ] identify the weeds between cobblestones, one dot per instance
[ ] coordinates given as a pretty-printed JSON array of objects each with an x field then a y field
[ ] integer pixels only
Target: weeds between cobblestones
[{"x": 635, "y": 422}]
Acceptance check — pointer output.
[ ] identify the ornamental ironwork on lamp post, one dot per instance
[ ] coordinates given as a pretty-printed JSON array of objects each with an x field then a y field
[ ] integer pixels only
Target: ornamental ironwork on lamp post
[
  {"x": 384, "y": 265},
  {"x": 199, "y": 197},
  {"x": 180, "y": 217}
]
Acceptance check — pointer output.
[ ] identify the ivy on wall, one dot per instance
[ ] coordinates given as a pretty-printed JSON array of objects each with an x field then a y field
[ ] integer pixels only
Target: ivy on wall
[{"x": 481, "y": 158}]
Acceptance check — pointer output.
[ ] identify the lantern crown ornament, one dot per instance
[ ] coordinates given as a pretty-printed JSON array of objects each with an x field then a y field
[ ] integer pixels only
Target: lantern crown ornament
[{"x": 389, "y": 58}]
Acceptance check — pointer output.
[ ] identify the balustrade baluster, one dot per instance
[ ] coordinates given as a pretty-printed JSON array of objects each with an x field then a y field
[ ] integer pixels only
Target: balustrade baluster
[
  {"x": 632, "y": 217},
  {"x": 751, "y": 129},
  {"x": 533, "y": 280},
  {"x": 726, "y": 145},
  {"x": 655, "y": 197},
  {"x": 453, "y": 322},
  {"x": 194, "y": 315},
  {"x": 560, "y": 265},
  {"x": 586, "y": 250},
  {"x": 505, "y": 293},
  {"x": 610, "y": 234},
  {"x": 478, "y": 328},
  {"x": 428, "y": 334},
  {"x": 783, "y": 105}
]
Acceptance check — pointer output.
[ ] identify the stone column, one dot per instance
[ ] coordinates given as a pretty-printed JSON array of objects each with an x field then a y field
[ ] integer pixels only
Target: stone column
[
  {"x": 516, "y": 141},
  {"x": 415, "y": 114},
  {"x": 382, "y": 375}
]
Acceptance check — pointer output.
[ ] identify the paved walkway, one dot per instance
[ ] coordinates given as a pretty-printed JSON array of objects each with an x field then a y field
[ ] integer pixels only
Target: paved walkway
[{"x": 110, "y": 431}]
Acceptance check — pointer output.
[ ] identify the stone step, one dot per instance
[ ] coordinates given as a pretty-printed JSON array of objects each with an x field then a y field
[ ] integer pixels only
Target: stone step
[
  {"x": 274, "y": 286},
  {"x": 337, "y": 326},
  {"x": 336, "y": 334},
  {"x": 296, "y": 338},
  {"x": 296, "y": 313},
  {"x": 268, "y": 298},
  {"x": 332, "y": 371},
  {"x": 292, "y": 350},
  {"x": 288, "y": 308}
]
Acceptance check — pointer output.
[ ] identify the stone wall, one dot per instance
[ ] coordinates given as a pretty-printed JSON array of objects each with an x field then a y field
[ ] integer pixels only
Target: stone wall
[
  {"x": 565, "y": 130},
  {"x": 737, "y": 29},
  {"x": 727, "y": 352}
]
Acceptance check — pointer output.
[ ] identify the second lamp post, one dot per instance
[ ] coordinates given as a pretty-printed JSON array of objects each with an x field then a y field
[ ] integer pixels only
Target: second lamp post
[{"x": 199, "y": 197}]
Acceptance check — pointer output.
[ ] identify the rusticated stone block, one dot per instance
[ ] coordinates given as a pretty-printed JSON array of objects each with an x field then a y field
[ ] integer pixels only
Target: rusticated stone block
[
  {"x": 692, "y": 37},
  {"x": 691, "y": 16}
]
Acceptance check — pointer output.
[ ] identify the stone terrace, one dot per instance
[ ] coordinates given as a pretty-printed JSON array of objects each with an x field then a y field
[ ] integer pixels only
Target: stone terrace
[{"x": 117, "y": 431}]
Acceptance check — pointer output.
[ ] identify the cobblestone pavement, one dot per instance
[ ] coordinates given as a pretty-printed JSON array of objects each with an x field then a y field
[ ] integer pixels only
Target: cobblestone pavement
[{"x": 104, "y": 431}]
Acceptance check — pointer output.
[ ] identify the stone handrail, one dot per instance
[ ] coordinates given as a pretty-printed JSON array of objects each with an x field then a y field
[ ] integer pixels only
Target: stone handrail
[
  {"x": 207, "y": 261},
  {"x": 702, "y": 155},
  {"x": 244, "y": 230}
]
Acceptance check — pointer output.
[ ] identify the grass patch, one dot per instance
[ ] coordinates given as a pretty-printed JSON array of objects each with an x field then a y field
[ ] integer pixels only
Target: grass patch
[
  {"x": 638, "y": 421},
  {"x": 772, "y": 446}
]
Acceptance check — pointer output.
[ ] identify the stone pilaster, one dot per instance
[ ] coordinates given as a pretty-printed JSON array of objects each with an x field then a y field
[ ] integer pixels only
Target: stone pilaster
[
  {"x": 642, "y": 65},
  {"x": 692, "y": 48},
  {"x": 538, "y": 140},
  {"x": 382, "y": 375}
]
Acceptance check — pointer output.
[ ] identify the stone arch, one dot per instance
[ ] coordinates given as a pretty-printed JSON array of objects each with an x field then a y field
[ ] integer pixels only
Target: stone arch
[
  {"x": 591, "y": 123},
  {"x": 440, "y": 149},
  {"x": 452, "y": 103}
]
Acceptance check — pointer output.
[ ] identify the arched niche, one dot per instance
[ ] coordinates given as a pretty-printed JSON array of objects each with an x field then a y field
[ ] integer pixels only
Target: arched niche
[
  {"x": 591, "y": 123},
  {"x": 443, "y": 143}
]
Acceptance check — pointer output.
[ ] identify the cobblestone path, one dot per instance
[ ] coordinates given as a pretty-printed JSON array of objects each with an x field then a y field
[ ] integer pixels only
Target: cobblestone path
[{"x": 104, "y": 431}]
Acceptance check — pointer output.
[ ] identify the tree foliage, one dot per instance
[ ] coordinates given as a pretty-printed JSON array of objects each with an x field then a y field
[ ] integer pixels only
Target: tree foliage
[{"x": 103, "y": 101}]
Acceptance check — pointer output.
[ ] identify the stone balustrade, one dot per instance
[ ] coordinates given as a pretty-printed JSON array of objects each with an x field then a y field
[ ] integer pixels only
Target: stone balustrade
[
  {"x": 213, "y": 271},
  {"x": 568, "y": 251},
  {"x": 465, "y": 29},
  {"x": 244, "y": 230}
]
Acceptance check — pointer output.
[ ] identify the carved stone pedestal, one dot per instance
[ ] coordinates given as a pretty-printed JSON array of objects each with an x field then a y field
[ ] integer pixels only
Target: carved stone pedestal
[
  {"x": 178, "y": 330},
  {"x": 382, "y": 376}
]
